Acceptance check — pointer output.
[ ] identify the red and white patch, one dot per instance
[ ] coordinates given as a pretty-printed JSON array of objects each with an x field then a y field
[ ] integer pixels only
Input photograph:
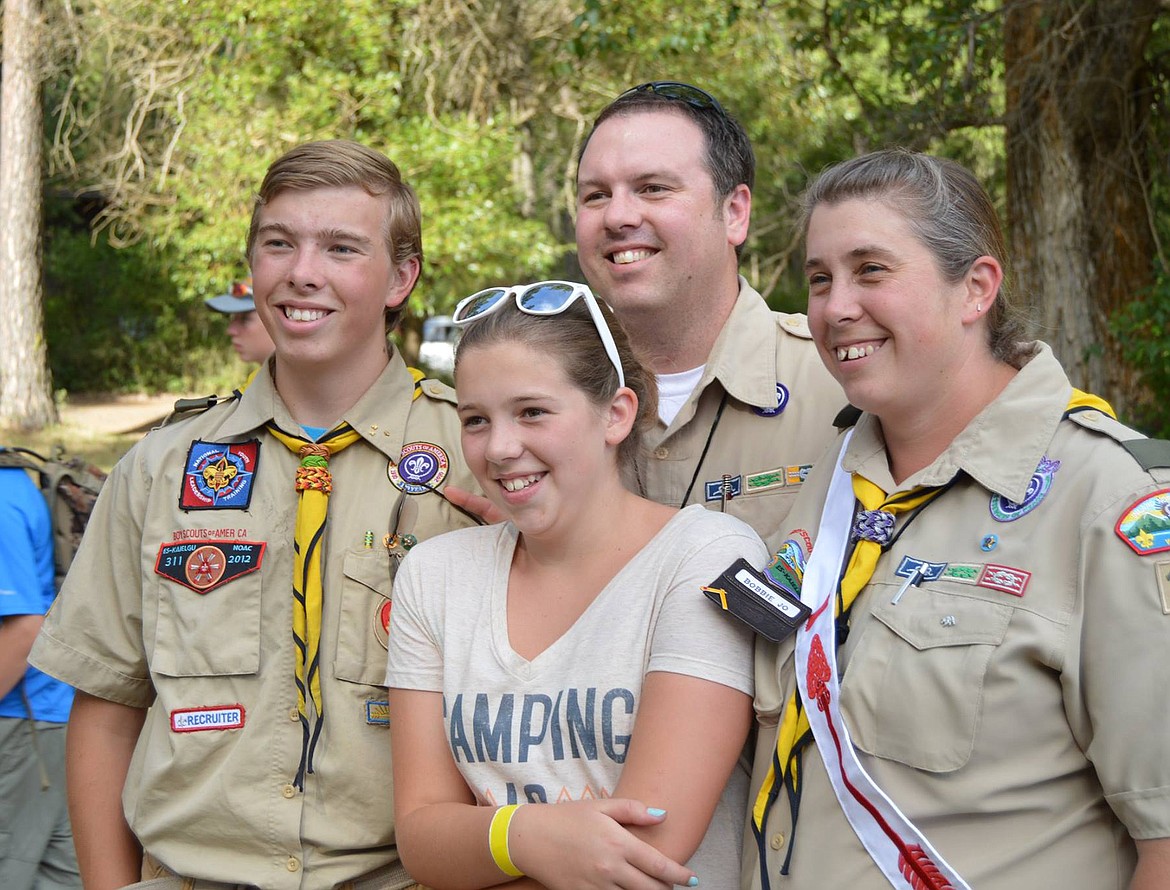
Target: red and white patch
[
  {"x": 382, "y": 623},
  {"x": 1004, "y": 578},
  {"x": 203, "y": 567},
  {"x": 214, "y": 717}
]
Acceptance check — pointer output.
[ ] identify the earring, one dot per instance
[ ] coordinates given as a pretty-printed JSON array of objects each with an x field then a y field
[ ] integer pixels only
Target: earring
[{"x": 978, "y": 307}]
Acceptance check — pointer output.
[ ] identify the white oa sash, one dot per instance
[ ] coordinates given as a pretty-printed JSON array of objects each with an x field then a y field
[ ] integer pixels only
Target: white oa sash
[{"x": 898, "y": 848}]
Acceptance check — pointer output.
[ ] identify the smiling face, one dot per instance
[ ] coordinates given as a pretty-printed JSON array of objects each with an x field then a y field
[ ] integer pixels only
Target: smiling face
[
  {"x": 322, "y": 279},
  {"x": 537, "y": 445},
  {"x": 888, "y": 326},
  {"x": 652, "y": 236}
]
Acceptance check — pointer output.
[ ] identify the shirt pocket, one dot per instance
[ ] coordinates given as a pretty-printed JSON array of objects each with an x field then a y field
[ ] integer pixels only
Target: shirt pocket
[
  {"x": 913, "y": 691},
  {"x": 368, "y": 577},
  {"x": 210, "y": 634}
]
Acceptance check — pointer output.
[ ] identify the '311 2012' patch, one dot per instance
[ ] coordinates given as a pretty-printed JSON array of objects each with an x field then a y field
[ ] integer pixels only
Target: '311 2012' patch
[{"x": 205, "y": 565}]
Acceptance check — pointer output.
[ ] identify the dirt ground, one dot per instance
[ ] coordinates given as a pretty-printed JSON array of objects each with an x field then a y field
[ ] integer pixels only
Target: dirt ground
[
  {"x": 99, "y": 429},
  {"x": 116, "y": 414}
]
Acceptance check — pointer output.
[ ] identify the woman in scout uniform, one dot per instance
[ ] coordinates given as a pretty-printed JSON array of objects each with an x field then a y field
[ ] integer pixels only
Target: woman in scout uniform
[
  {"x": 566, "y": 656},
  {"x": 989, "y": 707}
]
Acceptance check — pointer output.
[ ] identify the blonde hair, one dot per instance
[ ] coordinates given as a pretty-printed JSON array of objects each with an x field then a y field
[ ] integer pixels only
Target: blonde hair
[{"x": 337, "y": 163}]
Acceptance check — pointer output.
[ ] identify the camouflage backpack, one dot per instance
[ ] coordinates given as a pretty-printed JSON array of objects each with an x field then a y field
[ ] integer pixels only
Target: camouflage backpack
[{"x": 70, "y": 488}]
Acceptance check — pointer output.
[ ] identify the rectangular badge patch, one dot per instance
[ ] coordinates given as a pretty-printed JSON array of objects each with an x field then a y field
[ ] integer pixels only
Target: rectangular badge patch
[
  {"x": 964, "y": 572},
  {"x": 1163, "y": 570},
  {"x": 714, "y": 490},
  {"x": 378, "y": 713},
  {"x": 797, "y": 473},
  {"x": 209, "y": 718},
  {"x": 930, "y": 571},
  {"x": 766, "y": 480},
  {"x": 206, "y": 565},
  {"x": 218, "y": 475},
  {"x": 1004, "y": 578}
]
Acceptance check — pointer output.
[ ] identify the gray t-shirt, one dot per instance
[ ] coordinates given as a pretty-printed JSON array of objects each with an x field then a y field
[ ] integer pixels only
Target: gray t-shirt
[{"x": 558, "y": 727}]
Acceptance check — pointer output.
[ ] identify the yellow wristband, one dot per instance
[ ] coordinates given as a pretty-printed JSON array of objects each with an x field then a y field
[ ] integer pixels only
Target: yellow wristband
[{"x": 498, "y": 840}]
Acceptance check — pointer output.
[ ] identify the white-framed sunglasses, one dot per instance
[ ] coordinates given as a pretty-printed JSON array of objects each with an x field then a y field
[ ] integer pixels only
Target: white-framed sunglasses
[{"x": 541, "y": 298}]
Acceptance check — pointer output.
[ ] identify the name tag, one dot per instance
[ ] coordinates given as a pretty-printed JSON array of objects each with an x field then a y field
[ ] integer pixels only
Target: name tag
[{"x": 751, "y": 597}]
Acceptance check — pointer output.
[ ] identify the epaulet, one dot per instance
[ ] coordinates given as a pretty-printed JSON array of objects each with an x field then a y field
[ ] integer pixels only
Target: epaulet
[
  {"x": 794, "y": 323},
  {"x": 431, "y": 388},
  {"x": 1149, "y": 453},
  {"x": 184, "y": 408},
  {"x": 846, "y": 417}
]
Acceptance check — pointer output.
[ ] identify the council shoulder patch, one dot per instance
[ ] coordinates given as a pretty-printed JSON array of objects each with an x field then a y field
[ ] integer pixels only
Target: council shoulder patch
[
  {"x": 206, "y": 565},
  {"x": 218, "y": 475},
  {"x": 1145, "y": 524},
  {"x": 420, "y": 468}
]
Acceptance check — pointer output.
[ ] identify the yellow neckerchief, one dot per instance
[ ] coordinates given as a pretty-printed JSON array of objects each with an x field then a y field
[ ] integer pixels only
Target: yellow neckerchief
[{"x": 314, "y": 483}]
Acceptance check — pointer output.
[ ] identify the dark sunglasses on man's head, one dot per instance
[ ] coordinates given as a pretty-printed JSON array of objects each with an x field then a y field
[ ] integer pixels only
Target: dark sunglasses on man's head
[{"x": 680, "y": 92}]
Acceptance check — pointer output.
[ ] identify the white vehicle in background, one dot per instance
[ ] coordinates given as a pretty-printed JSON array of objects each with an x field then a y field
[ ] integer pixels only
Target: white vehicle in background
[{"x": 436, "y": 353}]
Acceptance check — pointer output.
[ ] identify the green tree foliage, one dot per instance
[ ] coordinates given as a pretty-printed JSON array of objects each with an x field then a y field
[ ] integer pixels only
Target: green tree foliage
[{"x": 170, "y": 112}]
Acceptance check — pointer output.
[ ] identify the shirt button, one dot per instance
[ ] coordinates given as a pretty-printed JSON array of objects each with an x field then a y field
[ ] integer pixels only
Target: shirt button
[
  {"x": 777, "y": 841},
  {"x": 289, "y": 791},
  {"x": 292, "y": 864},
  {"x": 293, "y": 715},
  {"x": 662, "y": 452}
]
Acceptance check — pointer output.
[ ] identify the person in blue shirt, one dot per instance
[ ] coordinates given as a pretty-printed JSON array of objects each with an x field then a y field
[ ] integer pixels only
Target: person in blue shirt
[{"x": 36, "y": 843}]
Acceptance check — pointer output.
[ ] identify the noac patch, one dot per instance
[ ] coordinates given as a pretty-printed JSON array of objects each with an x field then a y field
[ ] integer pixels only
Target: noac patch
[{"x": 206, "y": 565}]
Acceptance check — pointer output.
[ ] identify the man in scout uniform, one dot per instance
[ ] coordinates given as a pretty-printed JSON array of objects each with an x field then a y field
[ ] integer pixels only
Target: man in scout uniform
[
  {"x": 663, "y": 205},
  {"x": 237, "y": 578}
]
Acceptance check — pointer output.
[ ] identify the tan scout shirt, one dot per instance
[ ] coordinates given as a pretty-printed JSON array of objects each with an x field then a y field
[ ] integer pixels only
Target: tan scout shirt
[
  {"x": 209, "y": 792},
  {"x": 768, "y": 454},
  {"x": 1016, "y": 704}
]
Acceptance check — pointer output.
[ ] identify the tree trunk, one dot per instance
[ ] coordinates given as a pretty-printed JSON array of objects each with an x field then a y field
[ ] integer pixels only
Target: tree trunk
[
  {"x": 26, "y": 398},
  {"x": 1077, "y": 100}
]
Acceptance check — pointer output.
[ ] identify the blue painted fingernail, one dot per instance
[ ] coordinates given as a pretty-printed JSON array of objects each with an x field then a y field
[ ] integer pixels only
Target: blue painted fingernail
[
  {"x": 654, "y": 811},
  {"x": 694, "y": 881}
]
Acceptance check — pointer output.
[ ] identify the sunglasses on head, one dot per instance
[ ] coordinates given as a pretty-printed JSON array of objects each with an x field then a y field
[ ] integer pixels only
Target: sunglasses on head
[
  {"x": 680, "y": 92},
  {"x": 541, "y": 298}
]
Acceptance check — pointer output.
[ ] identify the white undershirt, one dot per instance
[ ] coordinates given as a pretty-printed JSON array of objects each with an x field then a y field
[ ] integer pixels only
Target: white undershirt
[{"x": 674, "y": 390}]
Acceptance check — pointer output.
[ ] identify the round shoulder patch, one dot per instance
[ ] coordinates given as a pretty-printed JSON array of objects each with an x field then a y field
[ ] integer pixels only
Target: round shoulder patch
[
  {"x": 781, "y": 402},
  {"x": 1003, "y": 510},
  {"x": 421, "y": 467}
]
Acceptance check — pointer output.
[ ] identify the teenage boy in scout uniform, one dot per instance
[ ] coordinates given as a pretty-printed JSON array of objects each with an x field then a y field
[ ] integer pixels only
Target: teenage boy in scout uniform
[
  {"x": 228, "y": 642},
  {"x": 745, "y": 405}
]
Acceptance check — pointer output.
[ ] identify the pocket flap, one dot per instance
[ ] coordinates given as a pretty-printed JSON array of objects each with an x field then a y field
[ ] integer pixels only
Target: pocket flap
[
  {"x": 371, "y": 569},
  {"x": 928, "y": 619}
]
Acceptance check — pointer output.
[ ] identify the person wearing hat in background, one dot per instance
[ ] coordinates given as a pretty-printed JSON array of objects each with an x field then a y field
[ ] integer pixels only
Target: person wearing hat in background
[{"x": 249, "y": 338}]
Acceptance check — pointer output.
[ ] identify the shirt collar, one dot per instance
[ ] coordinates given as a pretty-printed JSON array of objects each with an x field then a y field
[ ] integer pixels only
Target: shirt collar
[
  {"x": 1000, "y": 448},
  {"x": 743, "y": 359},
  {"x": 379, "y": 416}
]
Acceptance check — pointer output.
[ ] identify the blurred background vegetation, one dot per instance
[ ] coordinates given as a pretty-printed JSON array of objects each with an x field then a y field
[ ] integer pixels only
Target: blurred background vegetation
[{"x": 160, "y": 119}]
